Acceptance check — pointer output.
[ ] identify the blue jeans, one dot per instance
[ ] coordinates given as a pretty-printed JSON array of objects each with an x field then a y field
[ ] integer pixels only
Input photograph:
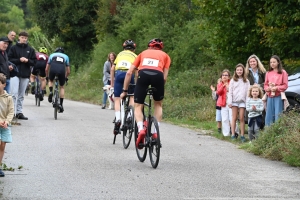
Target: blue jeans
[
  {"x": 274, "y": 109},
  {"x": 104, "y": 100},
  {"x": 7, "y": 87}
]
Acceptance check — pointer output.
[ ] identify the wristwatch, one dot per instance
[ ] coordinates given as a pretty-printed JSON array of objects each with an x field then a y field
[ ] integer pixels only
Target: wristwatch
[{"x": 125, "y": 90}]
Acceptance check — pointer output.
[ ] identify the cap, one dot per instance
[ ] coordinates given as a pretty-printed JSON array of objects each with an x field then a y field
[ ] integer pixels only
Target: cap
[{"x": 4, "y": 39}]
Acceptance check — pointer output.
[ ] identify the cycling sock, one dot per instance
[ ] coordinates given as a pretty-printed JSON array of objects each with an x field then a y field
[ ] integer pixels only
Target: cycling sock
[
  {"x": 154, "y": 130},
  {"x": 140, "y": 125},
  {"x": 51, "y": 89},
  {"x": 118, "y": 113},
  {"x": 61, "y": 101}
]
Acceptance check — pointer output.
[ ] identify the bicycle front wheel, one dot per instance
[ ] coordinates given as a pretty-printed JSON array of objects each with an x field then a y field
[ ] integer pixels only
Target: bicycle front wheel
[
  {"x": 154, "y": 144},
  {"x": 128, "y": 126},
  {"x": 141, "y": 153}
]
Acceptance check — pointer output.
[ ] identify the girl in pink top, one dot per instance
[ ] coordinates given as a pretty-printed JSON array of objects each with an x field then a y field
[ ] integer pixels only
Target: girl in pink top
[
  {"x": 276, "y": 81},
  {"x": 238, "y": 89}
]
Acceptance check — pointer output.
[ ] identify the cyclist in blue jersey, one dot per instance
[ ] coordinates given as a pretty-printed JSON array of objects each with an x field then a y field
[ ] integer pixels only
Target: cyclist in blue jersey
[{"x": 59, "y": 64}]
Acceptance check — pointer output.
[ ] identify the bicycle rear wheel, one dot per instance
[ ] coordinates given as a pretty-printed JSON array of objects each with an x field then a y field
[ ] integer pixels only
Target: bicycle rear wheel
[
  {"x": 55, "y": 104},
  {"x": 128, "y": 126},
  {"x": 141, "y": 153},
  {"x": 154, "y": 144}
]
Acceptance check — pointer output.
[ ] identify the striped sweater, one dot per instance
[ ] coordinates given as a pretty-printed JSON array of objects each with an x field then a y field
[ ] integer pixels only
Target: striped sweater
[{"x": 258, "y": 103}]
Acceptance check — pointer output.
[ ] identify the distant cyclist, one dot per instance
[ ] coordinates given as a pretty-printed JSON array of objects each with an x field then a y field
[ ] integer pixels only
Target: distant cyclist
[
  {"x": 59, "y": 65},
  {"x": 153, "y": 67},
  {"x": 41, "y": 62},
  {"x": 118, "y": 71}
]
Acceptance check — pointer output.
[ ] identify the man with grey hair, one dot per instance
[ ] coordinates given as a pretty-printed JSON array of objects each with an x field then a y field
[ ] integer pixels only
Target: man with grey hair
[
  {"x": 23, "y": 56},
  {"x": 5, "y": 67},
  {"x": 11, "y": 36}
]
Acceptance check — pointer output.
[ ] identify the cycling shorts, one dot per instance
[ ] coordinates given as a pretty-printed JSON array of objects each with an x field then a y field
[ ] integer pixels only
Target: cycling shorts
[
  {"x": 60, "y": 70},
  {"x": 146, "y": 78},
  {"x": 119, "y": 81},
  {"x": 40, "y": 65}
]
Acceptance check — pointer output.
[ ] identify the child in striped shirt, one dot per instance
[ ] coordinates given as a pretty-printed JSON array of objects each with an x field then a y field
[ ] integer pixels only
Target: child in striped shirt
[{"x": 254, "y": 106}]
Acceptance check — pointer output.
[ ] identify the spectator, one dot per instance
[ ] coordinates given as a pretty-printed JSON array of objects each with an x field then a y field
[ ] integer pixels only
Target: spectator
[
  {"x": 276, "y": 83},
  {"x": 6, "y": 116},
  {"x": 11, "y": 36},
  {"x": 226, "y": 112},
  {"x": 238, "y": 89},
  {"x": 5, "y": 67},
  {"x": 106, "y": 74},
  {"x": 254, "y": 106},
  {"x": 23, "y": 56}
]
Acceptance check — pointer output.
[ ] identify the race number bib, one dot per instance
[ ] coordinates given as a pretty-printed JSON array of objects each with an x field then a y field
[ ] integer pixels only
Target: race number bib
[
  {"x": 59, "y": 59},
  {"x": 124, "y": 64},
  {"x": 150, "y": 62}
]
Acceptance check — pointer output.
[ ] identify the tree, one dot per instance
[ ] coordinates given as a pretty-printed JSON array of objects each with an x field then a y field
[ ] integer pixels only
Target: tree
[{"x": 16, "y": 16}]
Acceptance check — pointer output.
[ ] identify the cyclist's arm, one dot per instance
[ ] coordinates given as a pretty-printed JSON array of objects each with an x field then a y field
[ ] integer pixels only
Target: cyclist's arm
[
  {"x": 47, "y": 69},
  {"x": 128, "y": 77},
  {"x": 166, "y": 71},
  {"x": 112, "y": 75},
  {"x": 68, "y": 71}
]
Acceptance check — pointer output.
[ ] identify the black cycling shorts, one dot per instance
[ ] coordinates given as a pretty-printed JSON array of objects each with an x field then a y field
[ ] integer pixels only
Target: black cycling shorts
[
  {"x": 60, "y": 71},
  {"x": 146, "y": 78},
  {"x": 40, "y": 65}
]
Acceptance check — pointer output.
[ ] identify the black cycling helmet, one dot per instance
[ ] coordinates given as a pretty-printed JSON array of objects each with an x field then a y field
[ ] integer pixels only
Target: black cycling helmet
[
  {"x": 59, "y": 49},
  {"x": 156, "y": 43},
  {"x": 129, "y": 45}
]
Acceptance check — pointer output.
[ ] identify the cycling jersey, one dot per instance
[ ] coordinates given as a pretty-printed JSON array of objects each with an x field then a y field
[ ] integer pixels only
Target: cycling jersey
[
  {"x": 152, "y": 59},
  {"x": 58, "y": 63},
  {"x": 124, "y": 60},
  {"x": 41, "y": 62}
]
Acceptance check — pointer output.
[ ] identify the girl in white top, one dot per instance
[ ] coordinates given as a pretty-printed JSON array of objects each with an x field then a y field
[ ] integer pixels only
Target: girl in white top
[{"x": 238, "y": 88}]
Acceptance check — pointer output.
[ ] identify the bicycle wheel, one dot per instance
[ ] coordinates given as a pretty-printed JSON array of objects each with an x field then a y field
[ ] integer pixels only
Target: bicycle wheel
[
  {"x": 141, "y": 153},
  {"x": 38, "y": 94},
  {"x": 55, "y": 104},
  {"x": 128, "y": 126},
  {"x": 114, "y": 141},
  {"x": 154, "y": 144}
]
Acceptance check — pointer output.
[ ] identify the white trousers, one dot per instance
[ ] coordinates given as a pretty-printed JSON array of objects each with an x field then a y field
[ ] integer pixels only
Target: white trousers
[{"x": 226, "y": 114}]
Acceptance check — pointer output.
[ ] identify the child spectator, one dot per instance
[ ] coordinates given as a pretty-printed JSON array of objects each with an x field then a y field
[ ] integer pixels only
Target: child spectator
[
  {"x": 222, "y": 91},
  {"x": 276, "y": 82},
  {"x": 218, "y": 108},
  {"x": 6, "y": 116},
  {"x": 255, "y": 107},
  {"x": 238, "y": 89}
]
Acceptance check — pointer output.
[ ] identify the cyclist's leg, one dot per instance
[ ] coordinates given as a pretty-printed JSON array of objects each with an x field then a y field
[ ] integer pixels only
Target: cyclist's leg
[
  {"x": 62, "y": 81},
  {"x": 50, "y": 85},
  {"x": 32, "y": 79},
  {"x": 118, "y": 87},
  {"x": 43, "y": 79}
]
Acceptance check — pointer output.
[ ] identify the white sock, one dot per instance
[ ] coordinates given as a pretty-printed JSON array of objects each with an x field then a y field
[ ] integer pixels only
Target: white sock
[
  {"x": 140, "y": 125},
  {"x": 118, "y": 113},
  {"x": 154, "y": 130}
]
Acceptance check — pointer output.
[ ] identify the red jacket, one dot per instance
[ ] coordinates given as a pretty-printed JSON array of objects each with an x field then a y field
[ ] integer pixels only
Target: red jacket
[{"x": 222, "y": 92}]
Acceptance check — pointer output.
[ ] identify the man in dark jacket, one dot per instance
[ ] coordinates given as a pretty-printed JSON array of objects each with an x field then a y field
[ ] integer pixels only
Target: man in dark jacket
[
  {"x": 23, "y": 56},
  {"x": 5, "y": 68},
  {"x": 11, "y": 36}
]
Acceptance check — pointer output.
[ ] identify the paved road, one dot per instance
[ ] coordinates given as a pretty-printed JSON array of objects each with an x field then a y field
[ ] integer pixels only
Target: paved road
[{"x": 73, "y": 158}]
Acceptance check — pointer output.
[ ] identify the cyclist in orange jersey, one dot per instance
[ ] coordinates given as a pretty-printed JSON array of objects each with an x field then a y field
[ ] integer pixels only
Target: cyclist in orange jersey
[{"x": 153, "y": 67}]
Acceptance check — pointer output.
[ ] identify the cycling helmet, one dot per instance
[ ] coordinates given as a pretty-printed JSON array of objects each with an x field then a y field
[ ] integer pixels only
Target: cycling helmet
[
  {"x": 156, "y": 43},
  {"x": 129, "y": 44},
  {"x": 59, "y": 49},
  {"x": 43, "y": 50}
]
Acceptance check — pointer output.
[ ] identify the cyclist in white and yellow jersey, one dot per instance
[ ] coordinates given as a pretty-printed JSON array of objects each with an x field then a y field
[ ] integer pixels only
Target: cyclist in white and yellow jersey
[{"x": 118, "y": 72}]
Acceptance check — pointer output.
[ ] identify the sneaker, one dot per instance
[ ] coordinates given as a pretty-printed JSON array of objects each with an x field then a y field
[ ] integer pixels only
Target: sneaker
[
  {"x": 60, "y": 109},
  {"x": 21, "y": 116},
  {"x": 41, "y": 96},
  {"x": 233, "y": 137},
  {"x": 117, "y": 127},
  {"x": 1, "y": 173},
  {"x": 50, "y": 97},
  {"x": 140, "y": 140},
  {"x": 103, "y": 106},
  {"x": 243, "y": 139},
  {"x": 33, "y": 89}
]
